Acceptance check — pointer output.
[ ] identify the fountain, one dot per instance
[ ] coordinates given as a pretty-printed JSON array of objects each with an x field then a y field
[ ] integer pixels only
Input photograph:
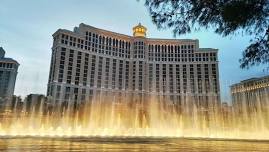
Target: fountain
[{"x": 128, "y": 116}]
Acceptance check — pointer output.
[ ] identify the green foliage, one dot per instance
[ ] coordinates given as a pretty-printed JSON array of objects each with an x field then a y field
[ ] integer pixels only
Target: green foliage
[{"x": 226, "y": 17}]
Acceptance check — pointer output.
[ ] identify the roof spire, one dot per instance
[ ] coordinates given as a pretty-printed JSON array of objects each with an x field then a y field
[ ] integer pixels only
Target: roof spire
[{"x": 139, "y": 31}]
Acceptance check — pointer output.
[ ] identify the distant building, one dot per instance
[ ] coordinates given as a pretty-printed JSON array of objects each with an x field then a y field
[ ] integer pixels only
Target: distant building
[
  {"x": 36, "y": 102},
  {"x": 88, "y": 61},
  {"x": 17, "y": 103},
  {"x": 8, "y": 74},
  {"x": 250, "y": 95}
]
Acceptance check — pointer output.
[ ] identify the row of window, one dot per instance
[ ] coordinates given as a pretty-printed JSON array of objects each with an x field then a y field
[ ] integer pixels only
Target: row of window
[
  {"x": 7, "y": 65},
  {"x": 96, "y": 71},
  {"x": 107, "y": 45},
  {"x": 79, "y": 95},
  {"x": 120, "y": 48}
]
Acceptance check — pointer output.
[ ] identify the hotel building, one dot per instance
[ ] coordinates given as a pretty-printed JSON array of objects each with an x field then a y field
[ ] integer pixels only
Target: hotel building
[
  {"x": 250, "y": 95},
  {"x": 90, "y": 61},
  {"x": 8, "y": 74}
]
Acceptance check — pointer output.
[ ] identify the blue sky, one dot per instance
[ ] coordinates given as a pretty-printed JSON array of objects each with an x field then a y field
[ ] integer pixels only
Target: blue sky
[{"x": 26, "y": 27}]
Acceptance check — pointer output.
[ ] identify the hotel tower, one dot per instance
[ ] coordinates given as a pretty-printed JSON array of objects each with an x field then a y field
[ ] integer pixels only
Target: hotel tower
[
  {"x": 89, "y": 61},
  {"x": 8, "y": 74}
]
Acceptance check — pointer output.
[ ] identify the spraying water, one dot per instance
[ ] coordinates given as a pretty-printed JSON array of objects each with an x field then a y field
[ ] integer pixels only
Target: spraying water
[{"x": 154, "y": 116}]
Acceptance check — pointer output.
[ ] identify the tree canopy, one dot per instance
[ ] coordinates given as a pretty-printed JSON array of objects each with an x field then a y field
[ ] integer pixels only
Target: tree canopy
[{"x": 226, "y": 17}]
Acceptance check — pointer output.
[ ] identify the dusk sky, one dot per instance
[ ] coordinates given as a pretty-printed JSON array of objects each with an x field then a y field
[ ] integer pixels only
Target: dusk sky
[{"x": 26, "y": 28}]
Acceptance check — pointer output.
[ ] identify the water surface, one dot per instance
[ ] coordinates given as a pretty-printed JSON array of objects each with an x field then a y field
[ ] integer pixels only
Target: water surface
[{"x": 129, "y": 144}]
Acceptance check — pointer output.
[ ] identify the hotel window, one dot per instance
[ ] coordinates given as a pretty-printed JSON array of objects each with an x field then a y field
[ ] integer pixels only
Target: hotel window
[
  {"x": 213, "y": 57},
  {"x": 207, "y": 82},
  {"x": 120, "y": 48},
  {"x": 134, "y": 74},
  {"x": 92, "y": 71},
  {"x": 103, "y": 45},
  {"x": 99, "y": 44},
  {"x": 127, "y": 47},
  {"x": 106, "y": 45},
  {"x": 67, "y": 93},
  {"x": 120, "y": 74},
  {"x": 164, "y": 77},
  {"x": 135, "y": 49},
  {"x": 140, "y": 76},
  {"x": 164, "y": 53},
  {"x": 192, "y": 85},
  {"x": 178, "y": 78},
  {"x": 107, "y": 72},
  {"x": 184, "y": 78},
  {"x": 168, "y": 53},
  {"x": 214, "y": 75},
  {"x": 83, "y": 94},
  {"x": 150, "y": 52},
  {"x": 86, "y": 66},
  {"x": 157, "y": 77},
  {"x": 80, "y": 43},
  {"x": 199, "y": 76},
  {"x": 158, "y": 52},
  {"x": 99, "y": 73},
  {"x": 64, "y": 39},
  {"x": 58, "y": 92},
  {"x": 141, "y": 49},
  {"x": 150, "y": 77},
  {"x": 70, "y": 66},
  {"x": 75, "y": 94},
  {"x": 61, "y": 66},
  {"x": 109, "y": 46},
  {"x": 114, "y": 67},
  {"x": 127, "y": 75},
  {"x": 171, "y": 78},
  {"x": 78, "y": 68}
]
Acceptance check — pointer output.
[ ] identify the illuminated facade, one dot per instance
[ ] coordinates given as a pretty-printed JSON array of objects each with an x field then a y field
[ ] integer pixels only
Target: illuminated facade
[
  {"x": 250, "y": 94},
  {"x": 89, "y": 61}
]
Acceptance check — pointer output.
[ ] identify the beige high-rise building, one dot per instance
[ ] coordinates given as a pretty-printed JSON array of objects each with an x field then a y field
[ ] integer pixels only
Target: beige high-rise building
[
  {"x": 88, "y": 61},
  {"x": 251, "y": 95}
]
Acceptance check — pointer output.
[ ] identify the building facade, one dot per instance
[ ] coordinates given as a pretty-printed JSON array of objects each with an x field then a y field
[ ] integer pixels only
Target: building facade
[
  {"x": 8, "y": 74},
  {"x": 251, "y": 95},
  {"x": 89, "y": 61}
]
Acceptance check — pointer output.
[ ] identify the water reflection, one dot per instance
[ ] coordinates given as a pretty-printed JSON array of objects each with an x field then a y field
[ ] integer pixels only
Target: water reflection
[{"x": 128, "y": 144}]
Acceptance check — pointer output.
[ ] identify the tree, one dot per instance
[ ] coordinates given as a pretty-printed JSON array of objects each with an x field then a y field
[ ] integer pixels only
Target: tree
[{"x": 226, "y": 17}]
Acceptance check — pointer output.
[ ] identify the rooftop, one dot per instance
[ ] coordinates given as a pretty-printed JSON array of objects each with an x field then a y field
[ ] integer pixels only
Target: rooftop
[
  {"x": 8, "y": 60},
  {"x": 4, "y": 59},
  {"x": 124, "y": 35},
  {"x": 139, "y": 31},
  {"x": 254, "y": 79},
  {"x": 250, "y": 80}
]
